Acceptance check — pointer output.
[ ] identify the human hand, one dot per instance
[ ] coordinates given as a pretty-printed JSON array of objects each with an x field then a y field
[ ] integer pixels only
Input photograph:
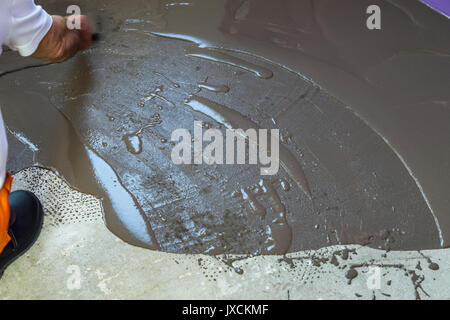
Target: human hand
[{"x": 62, "y": 43}]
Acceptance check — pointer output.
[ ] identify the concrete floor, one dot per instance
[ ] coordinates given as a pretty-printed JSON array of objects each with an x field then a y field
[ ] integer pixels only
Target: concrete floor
[{"x": 76, "y": 257}]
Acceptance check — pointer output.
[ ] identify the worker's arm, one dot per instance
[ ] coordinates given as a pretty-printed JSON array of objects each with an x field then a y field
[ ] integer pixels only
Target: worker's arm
[{"x": 27, "y": 28}]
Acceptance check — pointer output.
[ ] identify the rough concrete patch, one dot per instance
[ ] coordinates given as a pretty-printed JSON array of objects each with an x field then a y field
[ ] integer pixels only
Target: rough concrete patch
[{"x": 62, "y": 204}]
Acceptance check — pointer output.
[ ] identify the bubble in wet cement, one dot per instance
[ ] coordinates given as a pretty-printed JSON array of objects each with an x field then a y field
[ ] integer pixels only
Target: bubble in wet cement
[
  {"x": 433, "y": 266},
  {"x": 133, "y": 143},
  {"x": 351, "y": 274}
]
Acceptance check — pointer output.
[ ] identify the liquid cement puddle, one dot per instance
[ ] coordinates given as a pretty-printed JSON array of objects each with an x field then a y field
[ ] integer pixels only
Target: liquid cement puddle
[
  {"x": 217, "y": 56},
  {"x": 83, "y": 167},
  {"x": 234, "y": 120},
  {"x": 363, "y": 119},
  {"x": 315, "y": 43},
  {"x": 213, "y": 87}
]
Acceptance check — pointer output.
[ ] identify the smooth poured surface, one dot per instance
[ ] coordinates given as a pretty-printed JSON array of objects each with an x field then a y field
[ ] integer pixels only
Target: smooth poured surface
[{"x": 363, "y": 117}]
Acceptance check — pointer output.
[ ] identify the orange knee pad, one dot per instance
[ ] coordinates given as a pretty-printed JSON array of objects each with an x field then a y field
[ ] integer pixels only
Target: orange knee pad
[{"x": 4, "y": 212}]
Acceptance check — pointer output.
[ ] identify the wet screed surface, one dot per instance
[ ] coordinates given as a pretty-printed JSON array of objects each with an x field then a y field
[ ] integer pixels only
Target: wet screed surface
[{"x": 363, "y": 116}]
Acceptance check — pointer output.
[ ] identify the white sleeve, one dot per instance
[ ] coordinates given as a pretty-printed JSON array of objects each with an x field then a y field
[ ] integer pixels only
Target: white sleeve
[
  {"x": 3, "y": 152},
  {"x": 28, "y": 25}
]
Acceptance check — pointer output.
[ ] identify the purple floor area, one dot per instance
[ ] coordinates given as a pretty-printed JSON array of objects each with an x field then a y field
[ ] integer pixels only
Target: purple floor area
[{"x": 442, "y": 6}]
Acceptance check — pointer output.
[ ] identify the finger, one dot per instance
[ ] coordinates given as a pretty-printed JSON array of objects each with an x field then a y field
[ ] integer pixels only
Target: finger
[
  {"x": 85, "y": 33},
  {"x": 84, "y": 24},
  {"x": 85, "y": 40}
]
